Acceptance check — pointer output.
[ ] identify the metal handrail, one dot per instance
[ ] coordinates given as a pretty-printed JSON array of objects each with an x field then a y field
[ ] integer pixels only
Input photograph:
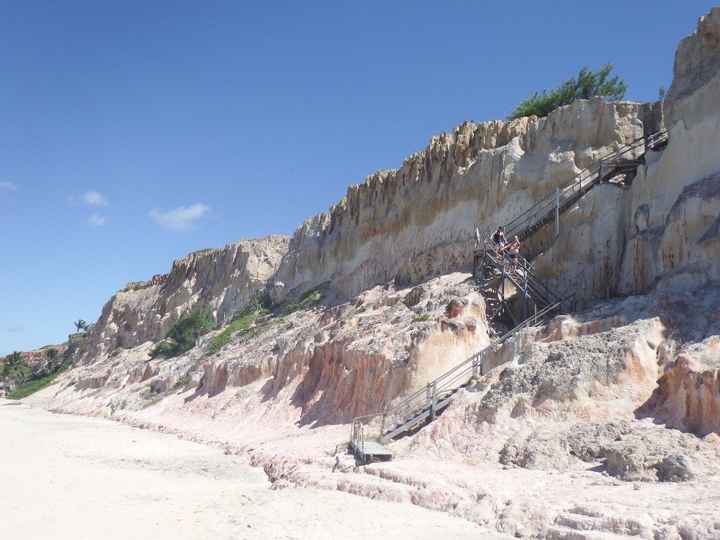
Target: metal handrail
[
  {"x": 448, "y": 380},
  {"x": 576, "y": 185},
  {"x": 545, "y": 292},
  {"x": 444, "y": 381}
]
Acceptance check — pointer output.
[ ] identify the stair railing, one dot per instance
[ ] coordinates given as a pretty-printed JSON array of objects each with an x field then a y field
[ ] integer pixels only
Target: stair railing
[
  {"x": 458, "y": 376},
  {"x": 455, "y": 377},
  {"x": 582, "y": 181}
]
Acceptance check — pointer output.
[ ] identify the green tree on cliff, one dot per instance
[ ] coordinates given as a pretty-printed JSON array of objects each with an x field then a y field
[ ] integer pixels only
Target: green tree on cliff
[
  {"x": 587, "y": 84},
  {"x": 81, "y": 325},
  {"x": 15, "y": 370},
  {"x": 183, "y": 335}
]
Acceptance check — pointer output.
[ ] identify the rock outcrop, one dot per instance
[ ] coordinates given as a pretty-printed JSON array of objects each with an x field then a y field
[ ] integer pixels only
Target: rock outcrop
[
  {"x": 628, "y": 387},
  {"x": 673, "y": 212},
  {"x": 330, "y": 363},
  {"x": 688, "y": 393},
  {"x": 419, "y": 221},
  {"x": 219, "y": 280}
]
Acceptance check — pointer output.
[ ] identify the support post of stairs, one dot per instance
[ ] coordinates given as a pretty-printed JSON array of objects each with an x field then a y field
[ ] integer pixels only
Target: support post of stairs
[
  {"x": 525, "y": 296},
  {"x": 433, "y": 401},
  {"x": 502, "y": 287},
  {"x": 557, "y": 212}
]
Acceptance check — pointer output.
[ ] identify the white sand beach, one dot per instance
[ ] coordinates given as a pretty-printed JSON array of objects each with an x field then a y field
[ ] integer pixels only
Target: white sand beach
[{"x": 70, "y": 477}]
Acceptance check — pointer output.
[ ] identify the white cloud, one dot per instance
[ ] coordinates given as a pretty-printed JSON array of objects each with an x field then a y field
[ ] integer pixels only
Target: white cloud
[
  {"x": 93, "y": 198},
  {"x": 8, "y": 186},
  {"x": 96, "y": 220},
  {"x": 179, "y": 219}
]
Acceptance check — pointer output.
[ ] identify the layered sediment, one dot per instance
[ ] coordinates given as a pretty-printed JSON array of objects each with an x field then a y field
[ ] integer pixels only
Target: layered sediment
[{"x": 627, "y": 386}]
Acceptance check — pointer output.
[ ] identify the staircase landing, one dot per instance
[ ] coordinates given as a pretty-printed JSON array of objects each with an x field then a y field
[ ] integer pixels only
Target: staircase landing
[{"x": 369, "y": 451}]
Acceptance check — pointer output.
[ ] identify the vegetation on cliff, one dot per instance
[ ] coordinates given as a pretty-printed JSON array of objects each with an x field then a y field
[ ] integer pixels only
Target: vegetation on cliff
[
  {"x": 587, "y": 84},
  {"x": 15, "y": 370},
  {"x": 242, "y": 322},
  {"x": 183, "y": 335},
  {"x": 259, "y": 307},
  {"x": 23, "y": 379}
]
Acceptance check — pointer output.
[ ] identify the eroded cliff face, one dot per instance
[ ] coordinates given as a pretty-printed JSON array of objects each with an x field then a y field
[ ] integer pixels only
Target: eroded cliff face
[
  {"x": 418, "y": 221},
  {"x": 662, "y": 230},
  {"x": 315, "y": 366},
  {"x": 404, "y": 226},
  {"x": 590, "y": 391},
  {"x": 220, "y": 280},
  {"x": 674, "y": 204}
]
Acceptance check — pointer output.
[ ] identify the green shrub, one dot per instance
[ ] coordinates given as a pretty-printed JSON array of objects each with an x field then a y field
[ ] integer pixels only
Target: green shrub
[
  {"x": 15, "y": 370},
  {"x": 242, "y": 321},
  {"x": 421, "y": 318},
  {"x": 31, "y": 386},
  {"x": 183, "y": 335},
  {"x": 586, "y": 85},
  {"x": 307, "y": 300},
  {"x": 245, "y": 321}
]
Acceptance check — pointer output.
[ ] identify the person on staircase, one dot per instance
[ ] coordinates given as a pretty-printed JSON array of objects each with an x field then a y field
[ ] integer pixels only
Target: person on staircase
[
  {"x": 513, "y": 252},
  {"x": 499, "y": 239}
]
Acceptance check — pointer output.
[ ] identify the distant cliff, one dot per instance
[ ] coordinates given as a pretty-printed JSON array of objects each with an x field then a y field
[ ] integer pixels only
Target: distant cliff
[{"x": 219, "y": 280}]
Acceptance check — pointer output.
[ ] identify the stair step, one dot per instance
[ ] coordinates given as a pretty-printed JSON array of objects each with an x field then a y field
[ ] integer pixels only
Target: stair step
[{"x": 495, "y": 265}]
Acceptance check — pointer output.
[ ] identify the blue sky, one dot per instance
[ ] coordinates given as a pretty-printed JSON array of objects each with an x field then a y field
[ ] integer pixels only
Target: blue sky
[{"x": 135, "y": 132}]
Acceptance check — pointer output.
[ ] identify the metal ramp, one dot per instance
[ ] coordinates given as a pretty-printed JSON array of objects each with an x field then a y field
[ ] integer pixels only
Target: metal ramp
[
  {"x": 539, "y": 301},
  {"x": 424, "y": 405}
]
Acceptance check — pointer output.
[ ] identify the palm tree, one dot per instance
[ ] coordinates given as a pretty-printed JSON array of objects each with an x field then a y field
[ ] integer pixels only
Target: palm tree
[{"x": 80, "y": 325}]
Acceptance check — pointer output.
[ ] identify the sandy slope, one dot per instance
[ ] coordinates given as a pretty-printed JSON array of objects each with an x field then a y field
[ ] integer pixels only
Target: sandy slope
[{"x": 83, "y": 478}]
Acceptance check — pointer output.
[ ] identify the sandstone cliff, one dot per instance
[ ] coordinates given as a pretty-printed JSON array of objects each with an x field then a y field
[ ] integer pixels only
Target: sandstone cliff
[
  {"x": 221, "y": 280},
  {"x": 418, "y": 221},
  {"x": 672, "y": 214},
  {"x": 606, "y": 389}
]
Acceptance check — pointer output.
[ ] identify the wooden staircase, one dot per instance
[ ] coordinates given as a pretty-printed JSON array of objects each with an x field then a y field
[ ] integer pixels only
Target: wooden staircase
[
  {"x": 492, "y": 270},
  {"x": 624, "y": 161}
]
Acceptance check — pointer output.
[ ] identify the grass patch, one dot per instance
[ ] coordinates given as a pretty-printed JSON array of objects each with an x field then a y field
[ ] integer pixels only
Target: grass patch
[
  {"x": 183, "y": 335},
  {"x": 242, "y": 322},
  {"x": 421, "y": 318},
  {"x": 246, "y": 323},
  {"x": 309, "y": 299},
  {"x": 23, "y": 390}
]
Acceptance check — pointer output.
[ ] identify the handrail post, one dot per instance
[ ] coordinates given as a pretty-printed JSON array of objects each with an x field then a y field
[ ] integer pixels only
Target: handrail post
[
  {"x": 433, "y": 402},
  {"x": 502, "y": 286},
  {"x": 525, "y": 296},
  {"x": 362, "y": 444},
  {"x": 557, "y": 212}
]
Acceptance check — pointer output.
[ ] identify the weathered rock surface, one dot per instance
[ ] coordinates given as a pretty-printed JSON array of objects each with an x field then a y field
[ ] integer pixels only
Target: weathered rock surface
[
  {"x": 418, "y": 221},
  {"x": 688, "y": 393},
  {"x": 697, "y": 62},
  {"x": 219, "y": 280},
  {"x": 577, "y": 427},
  {"x": 336, "y": 361},
  {"x": 673, "y": 208}
]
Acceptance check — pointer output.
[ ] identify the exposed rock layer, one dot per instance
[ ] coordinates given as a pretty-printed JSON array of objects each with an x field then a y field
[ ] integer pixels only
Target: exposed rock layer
[{"x": 219, "y": 280}]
